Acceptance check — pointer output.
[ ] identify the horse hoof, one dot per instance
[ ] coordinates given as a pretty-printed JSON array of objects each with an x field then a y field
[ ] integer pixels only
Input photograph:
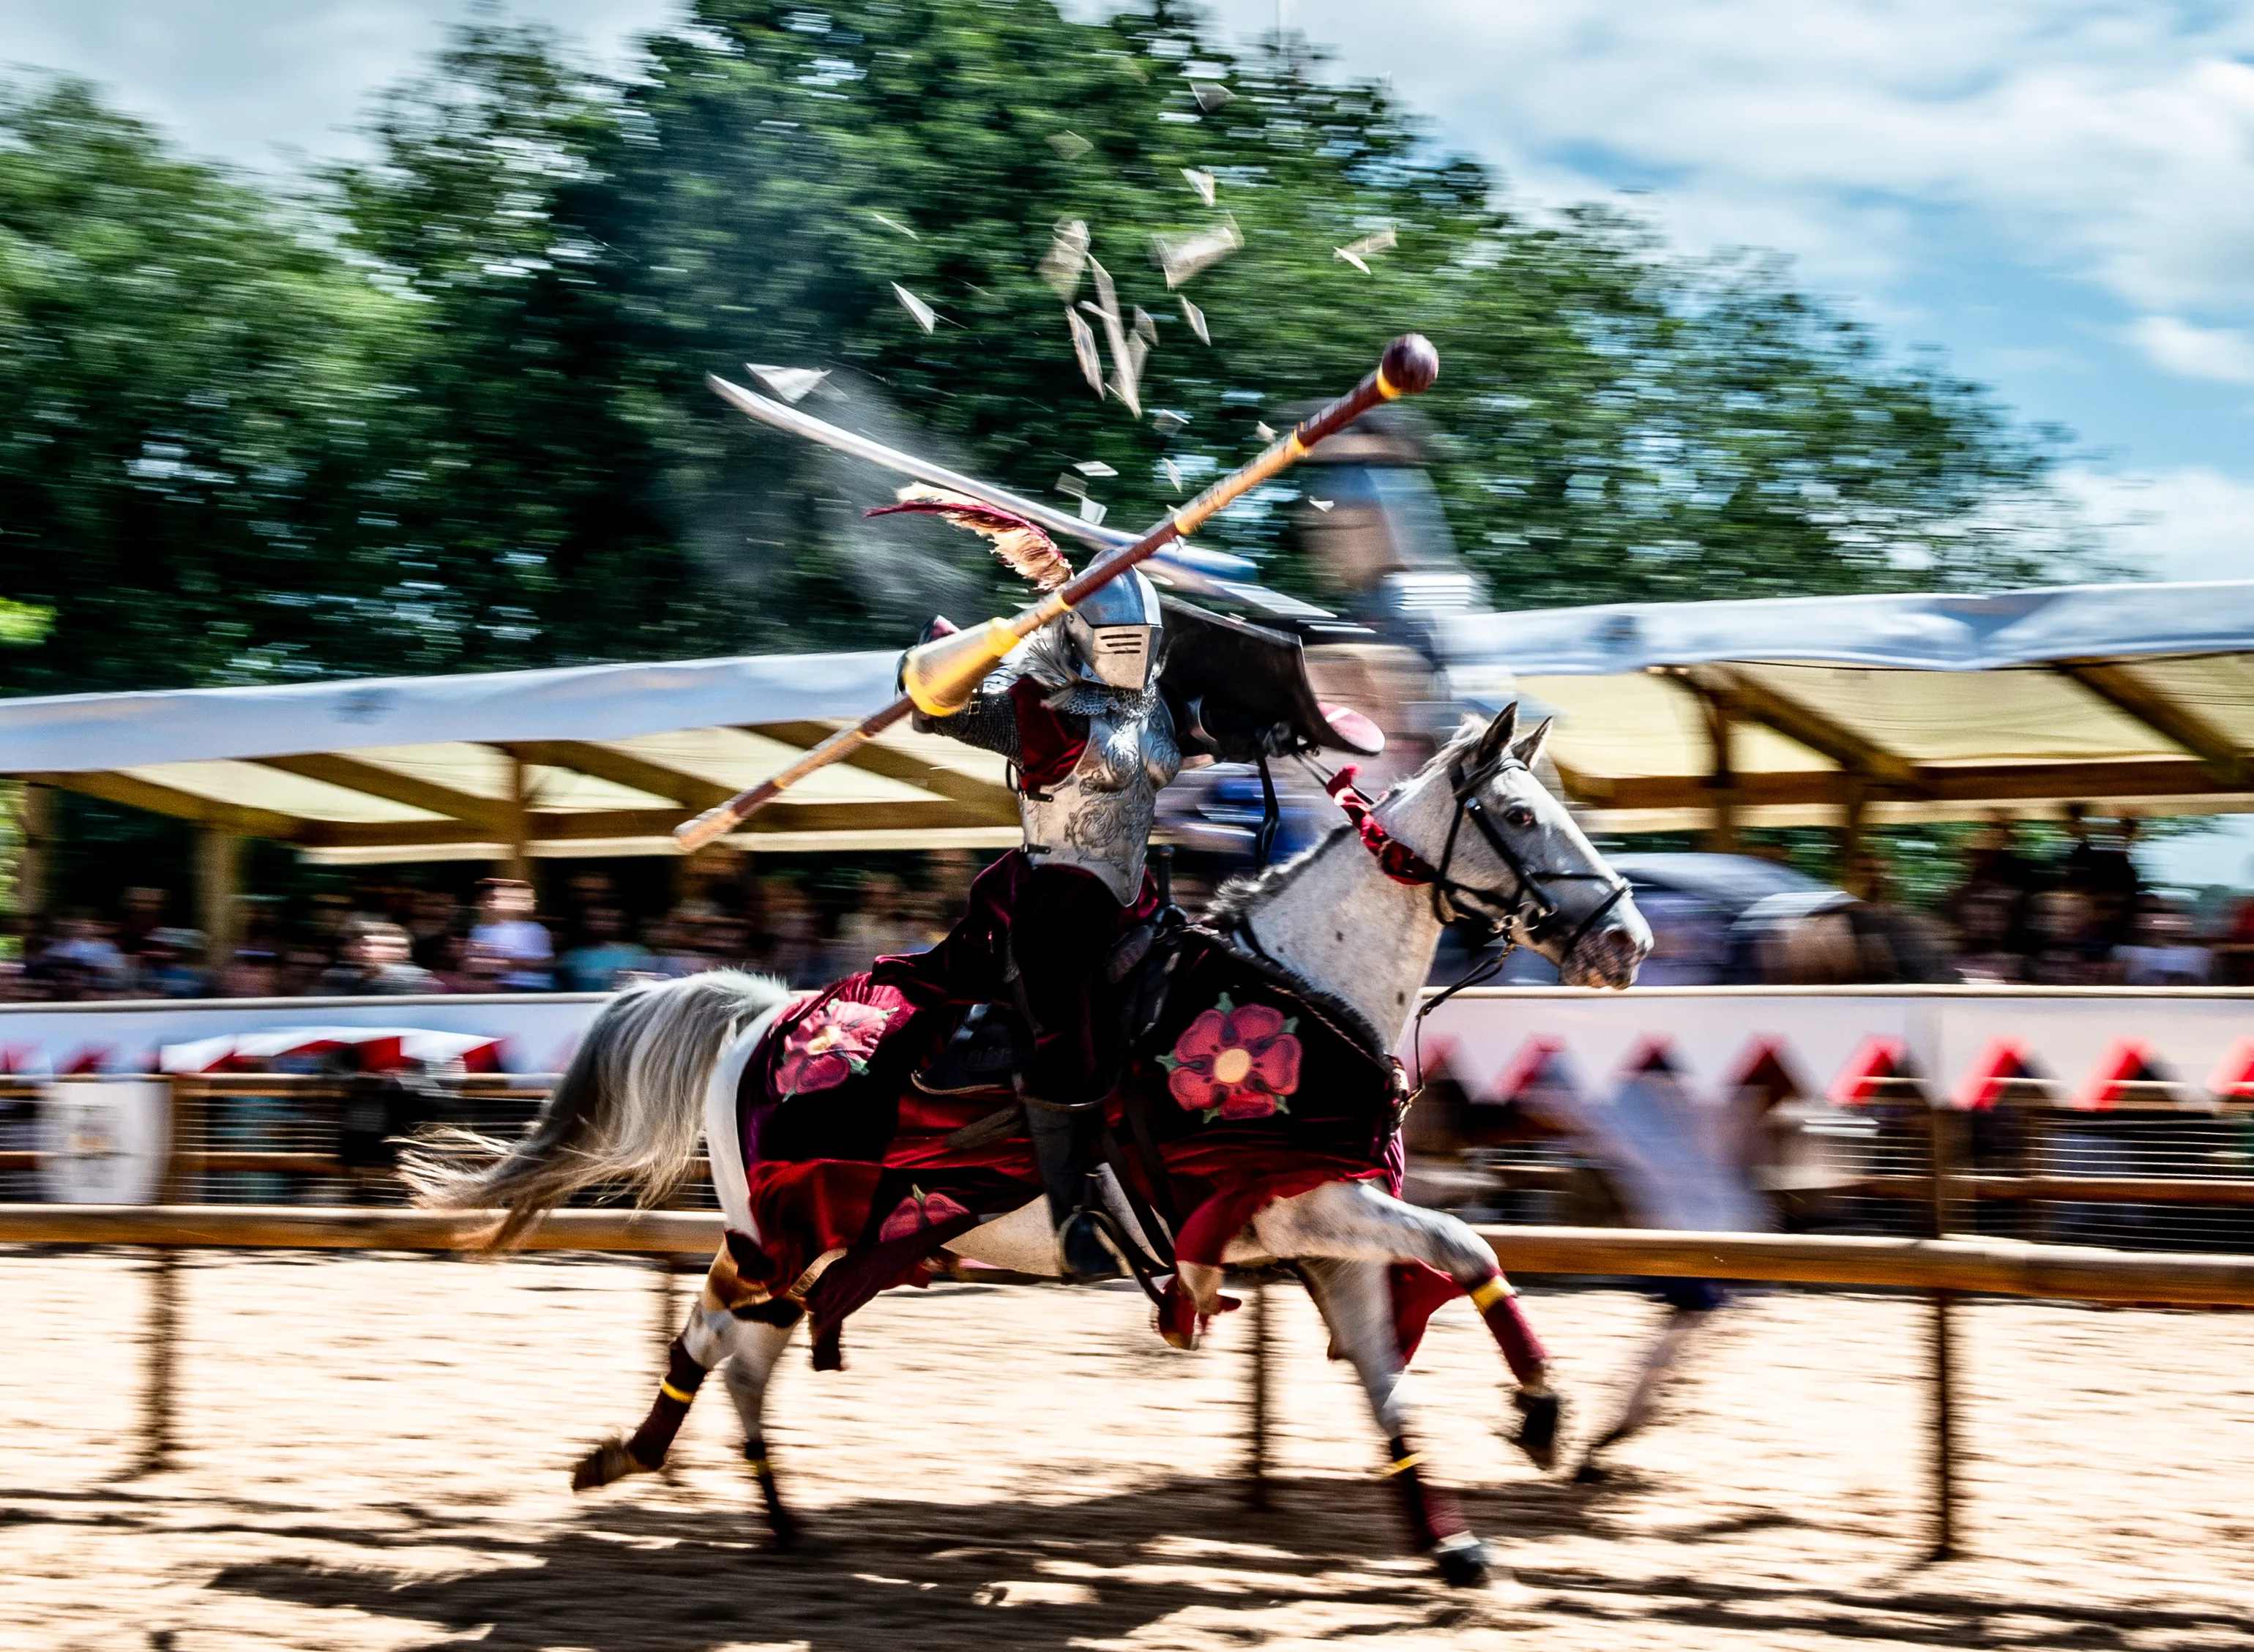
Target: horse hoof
[
  {"x": 1539, "y": 1415},
  {"x": 1464, "y": 1561},
  {"x": 608, "y": 1462}
]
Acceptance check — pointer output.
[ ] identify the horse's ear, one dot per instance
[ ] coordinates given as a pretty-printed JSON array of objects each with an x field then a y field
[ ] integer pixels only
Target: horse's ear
[
  {"x": 1529, "y": 749},
  {"x": 1491, "y": 743}
]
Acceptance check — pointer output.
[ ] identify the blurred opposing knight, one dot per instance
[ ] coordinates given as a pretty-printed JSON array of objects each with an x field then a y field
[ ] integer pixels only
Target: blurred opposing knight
[{"x": 1095, "y": 712}]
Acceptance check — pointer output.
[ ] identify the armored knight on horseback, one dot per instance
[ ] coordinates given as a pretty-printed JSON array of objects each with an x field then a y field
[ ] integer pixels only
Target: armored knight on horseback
[{"x": 1077, "y": 709}]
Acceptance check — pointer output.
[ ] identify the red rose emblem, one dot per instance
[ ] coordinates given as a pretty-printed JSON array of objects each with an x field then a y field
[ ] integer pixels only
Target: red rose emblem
[
  {"x": 1232, "y": 1063},
  {"x": 829, "y": 1046},
  {"x": 918, "y": 1211}
]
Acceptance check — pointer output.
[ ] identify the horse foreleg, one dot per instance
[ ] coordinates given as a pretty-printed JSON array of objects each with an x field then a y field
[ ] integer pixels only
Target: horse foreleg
[
  {"x": 1354, "y": 1221},
  {"x": 1683, "y": 1323},
  {"x": 1355, "y": 1299},
  {"x": 756, "y": 1342}
]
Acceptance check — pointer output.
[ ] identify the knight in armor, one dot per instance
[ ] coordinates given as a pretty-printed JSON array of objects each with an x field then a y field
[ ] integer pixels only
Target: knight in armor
[{"x": 1076, "y": 709}]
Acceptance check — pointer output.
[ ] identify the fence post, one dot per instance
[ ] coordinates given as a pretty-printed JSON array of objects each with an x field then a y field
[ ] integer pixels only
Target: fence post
[
  {"x": 159, "y": 1441},
  {"x": 1255, "y": 1485},
  {"x": 1938, "y": 1122}
]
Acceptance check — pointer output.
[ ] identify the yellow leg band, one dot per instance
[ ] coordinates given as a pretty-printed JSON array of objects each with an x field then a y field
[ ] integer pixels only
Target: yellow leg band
[
  {"x": 1385, "y": 386},
  {"x": 1402, "y": 1465},
  {"x": 758, "y": 1465},
  {"x": 1486, "y": 1296},
  {"x": 685, "y": 1395}
]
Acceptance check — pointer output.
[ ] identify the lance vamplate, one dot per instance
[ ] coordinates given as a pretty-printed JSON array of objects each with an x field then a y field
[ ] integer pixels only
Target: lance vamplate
[{"x": 941, "y": 676}]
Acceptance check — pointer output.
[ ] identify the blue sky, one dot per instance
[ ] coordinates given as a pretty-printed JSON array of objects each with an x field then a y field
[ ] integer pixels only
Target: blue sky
[{"x": 2058, "y": 194}]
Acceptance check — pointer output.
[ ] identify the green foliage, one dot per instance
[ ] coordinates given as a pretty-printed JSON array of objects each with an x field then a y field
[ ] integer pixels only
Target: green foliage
[{"x": 451, "y": 414}]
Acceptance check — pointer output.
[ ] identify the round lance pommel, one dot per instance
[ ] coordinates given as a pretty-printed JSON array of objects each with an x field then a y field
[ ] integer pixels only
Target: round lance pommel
[{"x": 1409, "y": 366}]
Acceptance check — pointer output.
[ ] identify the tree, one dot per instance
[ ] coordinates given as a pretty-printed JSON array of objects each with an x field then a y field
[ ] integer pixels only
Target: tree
[{"x": 449, "y": 413}]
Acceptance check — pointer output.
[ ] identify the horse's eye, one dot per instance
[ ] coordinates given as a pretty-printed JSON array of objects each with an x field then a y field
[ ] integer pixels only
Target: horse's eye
[{"x": 1518, "y": 814}]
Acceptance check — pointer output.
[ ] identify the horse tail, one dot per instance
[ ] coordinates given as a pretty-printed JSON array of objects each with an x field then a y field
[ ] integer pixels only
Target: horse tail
[{"x": 629, "y": 1108}]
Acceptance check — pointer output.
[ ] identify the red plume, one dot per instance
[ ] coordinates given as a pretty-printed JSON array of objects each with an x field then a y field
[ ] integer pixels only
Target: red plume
[{"x": 1031, "y": 554}]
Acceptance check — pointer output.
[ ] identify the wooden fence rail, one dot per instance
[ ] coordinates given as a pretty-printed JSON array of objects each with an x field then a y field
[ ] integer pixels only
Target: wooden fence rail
[{"x": 1996, "y": 1267}]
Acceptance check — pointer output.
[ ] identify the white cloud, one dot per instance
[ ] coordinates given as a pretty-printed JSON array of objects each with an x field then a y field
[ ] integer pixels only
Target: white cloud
[
  {"x": 2114, "y": 142},
  {"x": 248, "y": 80},
  {"x": 2194, "y": 352},
  {"x": 2190, "y": 523}
]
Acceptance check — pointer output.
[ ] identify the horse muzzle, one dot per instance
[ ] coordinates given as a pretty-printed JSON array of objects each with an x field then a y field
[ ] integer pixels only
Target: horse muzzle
[{"x": 1608, "y": 956}]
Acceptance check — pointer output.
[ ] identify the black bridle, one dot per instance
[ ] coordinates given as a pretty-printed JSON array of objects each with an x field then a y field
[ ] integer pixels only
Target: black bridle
[{"x": 1534, "y": 915}]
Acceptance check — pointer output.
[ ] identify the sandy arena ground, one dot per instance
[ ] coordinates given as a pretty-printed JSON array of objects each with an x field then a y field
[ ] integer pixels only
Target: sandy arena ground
[{"x": 374, "y": 1454}]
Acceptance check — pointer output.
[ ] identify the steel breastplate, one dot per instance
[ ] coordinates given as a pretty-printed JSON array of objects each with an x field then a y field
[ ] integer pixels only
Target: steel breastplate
[{"x": 1098, "y": 818}]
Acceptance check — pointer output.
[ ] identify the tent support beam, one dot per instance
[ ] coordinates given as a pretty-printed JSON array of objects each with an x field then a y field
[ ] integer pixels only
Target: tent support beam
[
  {"x": 996, "y": 804},
  {"x": 1756, "y": 700},
  {"x": 2122, "y": 689},
  {"x": 375, "y": 780},
  {"x": 219, "y": 880},
  {"x": 134, "y": 793},
  {"x": 622, "y": 768}
]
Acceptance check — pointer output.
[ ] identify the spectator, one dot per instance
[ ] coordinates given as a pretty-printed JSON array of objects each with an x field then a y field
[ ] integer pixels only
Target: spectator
[
  {"x": 166, "y": 967},
  {"x": 595, "y": 964},
  {"x": 82, "y": 959},
  {"x": 255, "y": 971},
  {"x": 2069, "y": 949},
  {"x": 2164, "y": 952},
  {"x": 378, "y": 964},
  {"x": 1985, "y": 921},
  {"x": 508, "y": 943}
]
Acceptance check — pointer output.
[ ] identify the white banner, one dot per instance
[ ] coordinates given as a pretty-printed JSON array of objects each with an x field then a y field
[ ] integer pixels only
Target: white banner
[{"x": 103, "y": 1140}]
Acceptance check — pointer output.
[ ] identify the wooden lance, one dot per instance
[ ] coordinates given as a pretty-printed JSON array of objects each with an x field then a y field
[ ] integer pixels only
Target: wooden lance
[{"x": 941, "y": 676}]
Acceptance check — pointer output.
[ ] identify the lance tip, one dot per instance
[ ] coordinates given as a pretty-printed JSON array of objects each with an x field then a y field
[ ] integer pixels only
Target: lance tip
[{"x": 1409, "y": 364}]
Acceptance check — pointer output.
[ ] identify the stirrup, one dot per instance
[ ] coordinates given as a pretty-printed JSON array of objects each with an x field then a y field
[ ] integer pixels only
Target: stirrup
[{"x": 1082, "y": 1258}]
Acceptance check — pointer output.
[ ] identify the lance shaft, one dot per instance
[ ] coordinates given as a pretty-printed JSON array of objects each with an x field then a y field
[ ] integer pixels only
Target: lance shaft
[{"x": 941, "y": 676}]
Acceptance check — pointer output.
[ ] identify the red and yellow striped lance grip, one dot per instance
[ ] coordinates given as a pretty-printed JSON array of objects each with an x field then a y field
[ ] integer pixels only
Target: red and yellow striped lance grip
[{"x": 941, "y": 676}]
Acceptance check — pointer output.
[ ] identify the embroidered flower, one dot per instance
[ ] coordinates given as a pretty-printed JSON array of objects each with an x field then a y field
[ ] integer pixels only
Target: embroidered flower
[
  {"x": 829, "y": 1047},
  {"x": 918, "y": 1211},
  {"x": 1232, "y": 1063}
]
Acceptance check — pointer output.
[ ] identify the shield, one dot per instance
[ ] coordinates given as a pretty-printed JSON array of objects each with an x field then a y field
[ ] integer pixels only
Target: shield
[{"x": 1239, "y": 692}]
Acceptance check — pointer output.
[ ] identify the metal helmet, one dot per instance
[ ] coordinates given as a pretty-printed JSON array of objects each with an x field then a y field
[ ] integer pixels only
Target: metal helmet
[{"x": 1115, "y": 632}]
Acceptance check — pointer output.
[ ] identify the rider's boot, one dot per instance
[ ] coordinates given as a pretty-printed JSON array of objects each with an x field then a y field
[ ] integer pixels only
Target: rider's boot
[{"x": 1064, "y": 1151}]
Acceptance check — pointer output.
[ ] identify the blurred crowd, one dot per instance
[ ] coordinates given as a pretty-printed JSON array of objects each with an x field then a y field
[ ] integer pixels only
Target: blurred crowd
[
  {"x": 581, "y": 934},
  {"x": 2084, "y": 917},
  {"x": 2078, "y": 913}
]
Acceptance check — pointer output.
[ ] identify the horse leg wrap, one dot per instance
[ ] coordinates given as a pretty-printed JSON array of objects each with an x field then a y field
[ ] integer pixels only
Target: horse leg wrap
[
  {"x": 1429, "y": 1514},
  {"x": 779, "y": 1521},
  {"x": 654, "y": 1438},
  {"x": 1498, "y": 1304}
]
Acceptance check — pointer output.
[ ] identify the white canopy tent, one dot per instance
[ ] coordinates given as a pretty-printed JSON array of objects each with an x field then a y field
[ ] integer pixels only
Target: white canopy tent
[
  {"x": 1832, "y": 710},
  {"x": 1817, "y": 711}
]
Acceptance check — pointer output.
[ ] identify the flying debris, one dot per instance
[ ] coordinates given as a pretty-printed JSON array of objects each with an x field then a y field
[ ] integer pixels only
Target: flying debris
[
  {"x": 1195, "y": 317},
  {"x": 1264, "y": 432},
  {"x": 1323, "y": 505},
  {"x": 927, "y": 318},
  {"x": 1070, "y": 145},
  {"x": 1182, "y": 256},
  {"x": 1083, "y": 345},
  {"x": 1355, "y": 251},
  {"x": 1173, "y": 473},
  {"x": 1070, "y": 486},
  {"x": 792, "y": 384},
  {"x": 1031, "y": 554},
  {"x": 1201, "y": 182},
  {"x": 1091, "y": 511},
  {"x": 1094, "y": 467},
  {"x": 1126, "y": 353},
  {"x": 1067, "y": 254},
  {"x": 1210, "y": 95},
  {"x": 894, "y": 223},
  {"x": 1166, "y": 422}
]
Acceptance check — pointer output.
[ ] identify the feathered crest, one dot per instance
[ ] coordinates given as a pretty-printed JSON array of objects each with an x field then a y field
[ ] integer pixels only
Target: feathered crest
[{"x": 1031, "y": 554}]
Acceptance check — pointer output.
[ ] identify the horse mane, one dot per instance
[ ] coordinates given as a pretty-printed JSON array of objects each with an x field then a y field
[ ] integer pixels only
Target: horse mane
[{"x": 1246, "y": 892}]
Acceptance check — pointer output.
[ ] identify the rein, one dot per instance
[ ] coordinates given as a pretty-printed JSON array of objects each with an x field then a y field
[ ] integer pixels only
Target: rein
[{"x": 1534, "y": 915}]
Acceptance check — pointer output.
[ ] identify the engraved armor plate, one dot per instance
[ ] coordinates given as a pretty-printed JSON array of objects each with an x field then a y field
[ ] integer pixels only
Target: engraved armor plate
[{"x": 1098, "y": 818}]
